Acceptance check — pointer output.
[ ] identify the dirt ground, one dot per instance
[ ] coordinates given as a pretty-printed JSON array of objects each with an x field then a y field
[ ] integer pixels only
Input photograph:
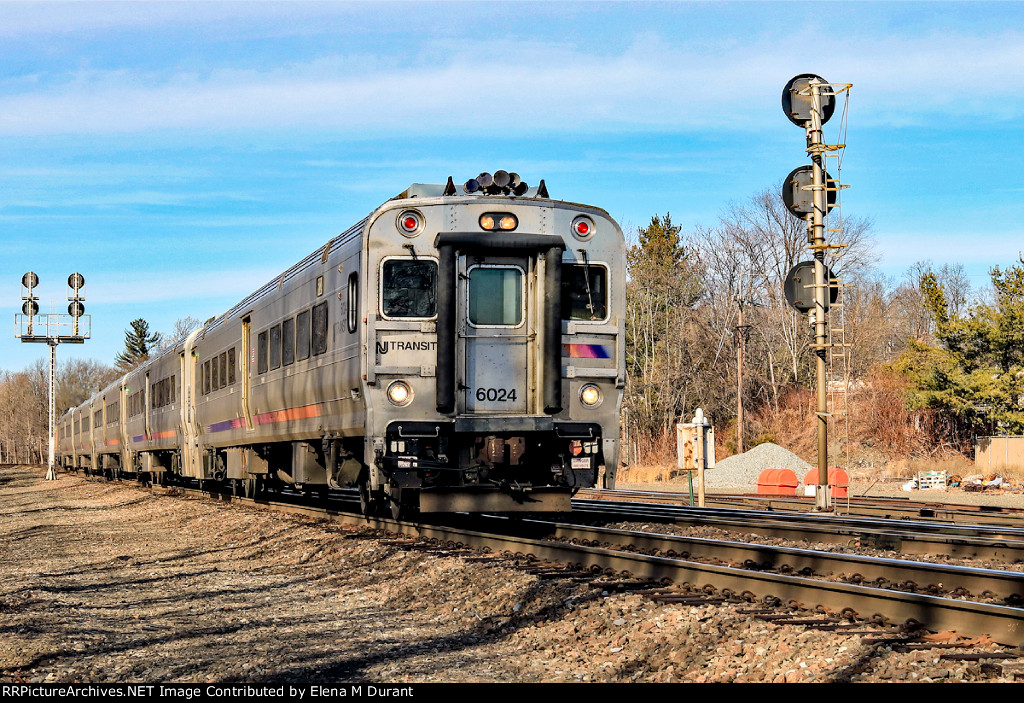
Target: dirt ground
[{"x": 113, "y": 583}]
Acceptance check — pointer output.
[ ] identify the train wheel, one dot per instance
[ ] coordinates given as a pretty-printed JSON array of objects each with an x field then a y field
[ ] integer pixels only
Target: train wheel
[
  {"x": 254, "y": 487},
  {"x": 367, "y": 505},
  {"x": 397, "y": 509},
  {"x": 394, "y": 499}
]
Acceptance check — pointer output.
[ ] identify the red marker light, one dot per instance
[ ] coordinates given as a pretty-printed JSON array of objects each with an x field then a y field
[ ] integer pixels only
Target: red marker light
[
  {"x": 410, "y": 223},
  {"x": 582, "y": 227}
]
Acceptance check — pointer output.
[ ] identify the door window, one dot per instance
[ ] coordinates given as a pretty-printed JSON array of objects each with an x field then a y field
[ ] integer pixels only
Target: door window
[{"x": 496, "y": 296}]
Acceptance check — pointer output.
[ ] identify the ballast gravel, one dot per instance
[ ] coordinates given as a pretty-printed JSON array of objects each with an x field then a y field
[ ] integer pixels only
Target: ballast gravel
[{"x": 114, "y": 583}]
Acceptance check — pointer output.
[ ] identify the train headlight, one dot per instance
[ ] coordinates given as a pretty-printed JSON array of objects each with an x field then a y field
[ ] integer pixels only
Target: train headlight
[
  {"x": 400, "y": 393},
  {"x": 582, "y": 228},
  {"x": 495, "y": 221},
  {"x": 590, "y": 395},
  {"x": 410, "y": 223}
]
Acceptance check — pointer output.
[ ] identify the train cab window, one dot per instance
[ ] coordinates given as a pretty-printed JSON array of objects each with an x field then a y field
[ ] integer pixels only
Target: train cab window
[
  {"x": 261, "y": 352},
  {"x": 275, "y": 347},
  {"x": 584, "y": 292},
  {"x": 496, "y": 296},
  {"x": 319, "y": 337},
  {"x": 302, "y": 335},
  {"x": 288, "y": 341},
  {"x": 408, "y": 288}
]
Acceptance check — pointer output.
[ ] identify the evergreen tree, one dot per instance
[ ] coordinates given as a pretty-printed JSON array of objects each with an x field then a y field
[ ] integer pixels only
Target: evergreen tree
[
  {"x": 137, "y": 343},
  {"x": 662, "y": 332},
  {"x": 975, "y": 372}
]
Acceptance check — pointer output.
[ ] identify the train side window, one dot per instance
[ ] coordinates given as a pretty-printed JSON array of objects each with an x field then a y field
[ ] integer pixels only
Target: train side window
[
  {"x": 288, "y": 341},
  {"x": 215, "y": 380},
  {"x": 353, "y": 302},
  {"x": 206, "y": 378},
  {"x": 302, "y": 335},
  {"x": 223, "y": 371},
  {"x": 584, "y": 292},
  {"x": 408, "y": 288},
  {"x": 496, "y": 296},
  {"x": 275, "y": 347},
  {"x": 170, "y": 396},
  {"x": 231, "y": 365},
  {"x": 261, "y": 352},
  {"x": 319, "y": 337}
]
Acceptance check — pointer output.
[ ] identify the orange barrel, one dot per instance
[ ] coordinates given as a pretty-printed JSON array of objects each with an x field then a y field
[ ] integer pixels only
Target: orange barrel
[
  {"x": 767, "y": 482},
  {"x": 787, "y": 482},
  {"x": 777, "y": 482},
  {"x": 838, "y": 479}
]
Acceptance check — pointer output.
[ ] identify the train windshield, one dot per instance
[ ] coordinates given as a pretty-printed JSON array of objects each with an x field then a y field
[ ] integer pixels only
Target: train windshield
[
  {"x": 409, "y": 288},
  {"x": 584, "y": 292}
]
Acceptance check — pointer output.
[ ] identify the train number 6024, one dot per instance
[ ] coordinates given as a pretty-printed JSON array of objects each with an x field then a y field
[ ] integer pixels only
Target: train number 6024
[{"x": 496, "y": 395}]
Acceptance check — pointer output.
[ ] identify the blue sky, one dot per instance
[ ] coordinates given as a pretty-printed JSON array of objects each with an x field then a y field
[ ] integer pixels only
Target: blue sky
[{"x": 179, "y": 155}]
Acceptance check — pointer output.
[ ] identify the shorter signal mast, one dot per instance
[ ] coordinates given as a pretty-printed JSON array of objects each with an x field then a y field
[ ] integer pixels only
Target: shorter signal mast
[
  {"x": 809, "y": 193},
  {"x": 52, "y": 329}
]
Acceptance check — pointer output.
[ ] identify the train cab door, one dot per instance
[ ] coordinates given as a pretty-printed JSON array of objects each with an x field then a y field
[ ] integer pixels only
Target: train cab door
[{"x": 495, "y": 326}]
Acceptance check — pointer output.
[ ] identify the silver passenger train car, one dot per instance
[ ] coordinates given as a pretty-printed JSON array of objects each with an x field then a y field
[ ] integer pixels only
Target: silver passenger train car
[{"x": 450, "y": 352}]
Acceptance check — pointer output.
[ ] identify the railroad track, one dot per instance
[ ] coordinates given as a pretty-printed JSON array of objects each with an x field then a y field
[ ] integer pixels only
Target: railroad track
[
  {"x": 755, "y": 574},
  {"x": 903, "y": 536},
  {"x": 865, "y": 506}
]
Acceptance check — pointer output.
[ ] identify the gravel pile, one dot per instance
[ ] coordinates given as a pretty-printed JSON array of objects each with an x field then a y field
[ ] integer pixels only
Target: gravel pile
[{"x": 740, "y": 471}]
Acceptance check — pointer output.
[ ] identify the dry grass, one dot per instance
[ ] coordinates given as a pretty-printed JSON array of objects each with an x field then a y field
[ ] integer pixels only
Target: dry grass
[{"x": 646, "y": 473}]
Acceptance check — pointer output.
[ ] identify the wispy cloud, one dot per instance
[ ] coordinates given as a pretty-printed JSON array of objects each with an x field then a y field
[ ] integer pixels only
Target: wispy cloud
[
  {"x": 144, "y": 288},
  {"x": 559, "y": 88}
]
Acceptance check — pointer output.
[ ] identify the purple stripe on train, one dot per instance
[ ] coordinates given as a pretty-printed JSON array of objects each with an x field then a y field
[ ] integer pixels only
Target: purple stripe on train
[{"x": 226, "y": 425}]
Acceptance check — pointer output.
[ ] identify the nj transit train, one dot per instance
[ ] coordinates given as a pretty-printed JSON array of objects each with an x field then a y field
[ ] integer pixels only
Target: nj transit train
[{"x": 449, "y": 352}]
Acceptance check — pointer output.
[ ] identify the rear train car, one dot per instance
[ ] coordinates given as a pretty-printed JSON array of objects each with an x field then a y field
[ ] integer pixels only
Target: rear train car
[{"x": 450, "y": 352}]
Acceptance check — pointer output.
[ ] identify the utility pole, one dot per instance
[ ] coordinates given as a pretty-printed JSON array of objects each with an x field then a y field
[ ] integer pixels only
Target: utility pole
[
  {"x": 817, "y": 235},
  {"x": 742, "y": 335},
  {"x": 52, "y": 329},
  {"x": 741, "y": 341}
]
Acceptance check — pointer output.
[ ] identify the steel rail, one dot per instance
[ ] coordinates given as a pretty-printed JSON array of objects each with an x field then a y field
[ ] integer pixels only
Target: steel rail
[
  {"x": 900, "y": 536},
  {"x": 918, "y": 526},
  {"x": 865, "y": 506},
  {"x": 948, "y": 577}
]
